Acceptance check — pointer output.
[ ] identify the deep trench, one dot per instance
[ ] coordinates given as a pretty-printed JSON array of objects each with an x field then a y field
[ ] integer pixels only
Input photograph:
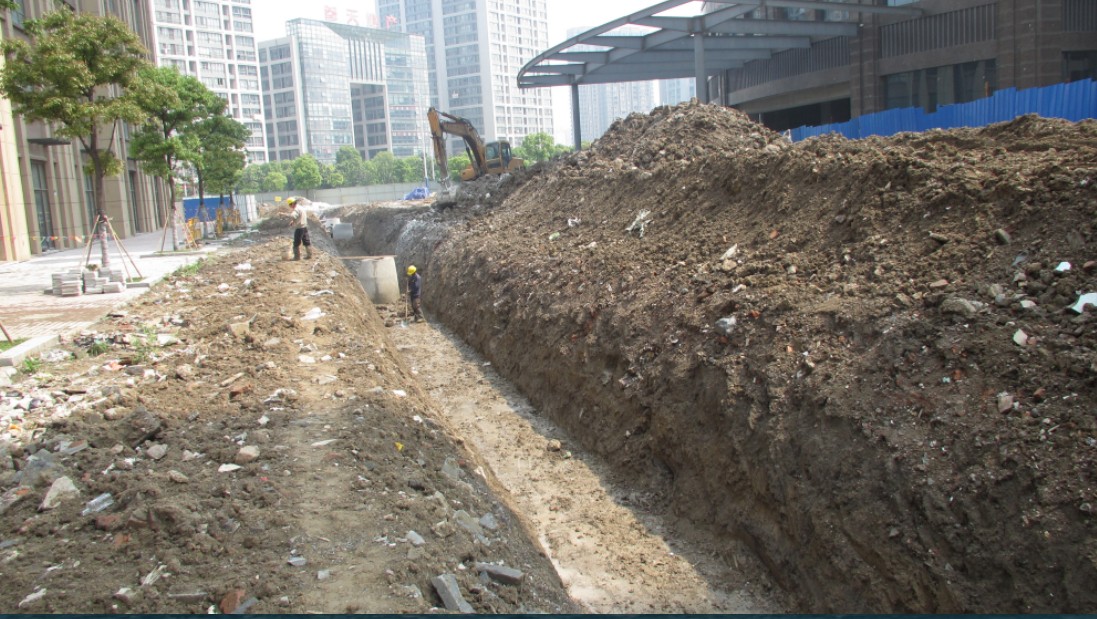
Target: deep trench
[{"x": 616, "y": 542}]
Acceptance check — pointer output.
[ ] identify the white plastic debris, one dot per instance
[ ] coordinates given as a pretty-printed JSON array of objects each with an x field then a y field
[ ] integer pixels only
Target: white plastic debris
[
  {"x": 243, "y": 266},
  {"x": 1020, "y": 338},
  {"x": 320, "y": 293},
  {"x": 228, "y": 468},
  {"x": 400, "y": 393},
  {"x": 1083, "y": 301},
  {"x": 729, "y": 254},
  {"x": 313, "y": 314},
  {"x": 639, "y": 225},
  {"x": 98, "y": 504},
  {"x": 1063, "y": 267}
]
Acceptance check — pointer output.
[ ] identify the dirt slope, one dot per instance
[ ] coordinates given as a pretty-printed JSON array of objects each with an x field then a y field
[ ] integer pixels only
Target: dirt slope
[
  {"x": 812, "y": 348},
  {"x": 265, "y": 450}
]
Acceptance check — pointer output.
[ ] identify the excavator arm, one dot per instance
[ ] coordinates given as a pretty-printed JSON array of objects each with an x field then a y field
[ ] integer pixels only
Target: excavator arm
[{"x": 442, "y": 123}]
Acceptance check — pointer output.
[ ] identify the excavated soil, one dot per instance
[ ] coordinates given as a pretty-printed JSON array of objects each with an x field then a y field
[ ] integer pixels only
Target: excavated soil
[
  {"x": 855, "y": 357},
  {"x": 847, "y": 368},
  {"x": 264, "y": 449}
]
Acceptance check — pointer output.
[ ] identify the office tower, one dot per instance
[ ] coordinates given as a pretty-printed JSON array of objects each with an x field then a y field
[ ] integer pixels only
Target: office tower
[
  {"x": 475, "y": 49},
  {"x": 328, "y": 85}
]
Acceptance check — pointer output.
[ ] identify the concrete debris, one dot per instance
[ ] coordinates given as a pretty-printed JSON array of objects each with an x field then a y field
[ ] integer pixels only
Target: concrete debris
[
  {"x": 247, "y": 454},
  {"x": 62, "y": 489},
  {"x": 450, "y": 592},
  {"x": 501, "y": 573}
]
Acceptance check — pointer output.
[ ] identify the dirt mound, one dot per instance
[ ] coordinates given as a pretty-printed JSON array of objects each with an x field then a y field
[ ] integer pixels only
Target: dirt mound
[
  {"x": 248, "y": 439},
  {"x": 672, "y": 133},
  {"x": 857, "y": 356}
]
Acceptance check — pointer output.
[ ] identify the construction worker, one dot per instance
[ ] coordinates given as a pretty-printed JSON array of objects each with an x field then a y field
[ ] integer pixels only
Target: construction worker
[
  {"x": 415, "y": 289},
  {"x": 300, "y": 225}
]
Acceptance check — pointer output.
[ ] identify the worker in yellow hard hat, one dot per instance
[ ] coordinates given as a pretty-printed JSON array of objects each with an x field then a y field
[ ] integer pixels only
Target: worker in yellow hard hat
[{"x": 415, "y": 289}]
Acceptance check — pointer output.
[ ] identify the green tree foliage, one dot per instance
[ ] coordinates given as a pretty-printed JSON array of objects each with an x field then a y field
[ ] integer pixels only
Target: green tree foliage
[
  {"x": 350, "y": 164},
  {"x": 333, "y": 178},
  {"x": 383, "y": 169},
  {"x": 74, "y": 73},
  {"x": 275, "y": 181},
  {"x": 220, "y": 155},
  {"x": 306, "y": 173},
  {"x": 173, "y": 103},
  {"x": 411, "y": 170},
  {"x": 457, "y": 164},
  {"x": 538, "y": 147}
]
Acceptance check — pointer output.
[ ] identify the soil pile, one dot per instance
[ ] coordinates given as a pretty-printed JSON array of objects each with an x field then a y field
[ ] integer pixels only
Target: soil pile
[
  {"x": 856, "y": 356},
  {"x": 247, "y": 439}
]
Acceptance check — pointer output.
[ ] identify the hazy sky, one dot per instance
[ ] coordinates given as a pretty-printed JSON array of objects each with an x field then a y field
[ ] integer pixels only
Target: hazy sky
[{"x": 270, "y": 17}]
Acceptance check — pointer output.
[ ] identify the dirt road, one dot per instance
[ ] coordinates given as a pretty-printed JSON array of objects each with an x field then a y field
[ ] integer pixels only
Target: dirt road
[{"x": 614, "y": 554}]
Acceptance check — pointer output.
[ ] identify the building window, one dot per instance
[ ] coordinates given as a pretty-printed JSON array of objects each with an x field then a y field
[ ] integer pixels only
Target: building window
[
  {"x": 1079, "y": 66},
  {"x": 937, "y": 86},
  {"x": 42, "y": 204}
]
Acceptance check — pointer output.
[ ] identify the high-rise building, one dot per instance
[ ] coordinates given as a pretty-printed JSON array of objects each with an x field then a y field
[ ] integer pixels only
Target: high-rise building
[
  {"x": 475, "y": 49},
  {"x": 328, "y": 85},
  {"x": 213, "y": 41},
  {"x": 673, "y": 92}
]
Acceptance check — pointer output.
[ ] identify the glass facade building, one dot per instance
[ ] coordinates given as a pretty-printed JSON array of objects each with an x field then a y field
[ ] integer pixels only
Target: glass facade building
[
  {"x": 328, "y": 85},
  {"x": 214, "y": 41},
  {"x": 475, "y": 49}
]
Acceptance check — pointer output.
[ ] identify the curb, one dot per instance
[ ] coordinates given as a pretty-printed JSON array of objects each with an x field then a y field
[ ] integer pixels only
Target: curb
[{"x": 14, "y": 356}]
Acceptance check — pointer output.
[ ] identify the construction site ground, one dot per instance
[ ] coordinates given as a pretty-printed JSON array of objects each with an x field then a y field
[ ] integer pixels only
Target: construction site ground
[{"x": 696, "y": 368}]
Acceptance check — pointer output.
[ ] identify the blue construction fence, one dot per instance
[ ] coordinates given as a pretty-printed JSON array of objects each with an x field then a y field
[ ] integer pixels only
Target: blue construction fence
[{"x": 1072, "y": 101}]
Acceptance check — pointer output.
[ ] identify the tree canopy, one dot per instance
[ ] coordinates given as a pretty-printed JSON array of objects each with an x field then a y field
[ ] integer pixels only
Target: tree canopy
[{"x": 74, "y": 74}]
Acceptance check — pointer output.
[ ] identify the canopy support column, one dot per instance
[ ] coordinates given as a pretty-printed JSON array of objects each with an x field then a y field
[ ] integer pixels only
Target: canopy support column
[
  {"x": 576, "y": 124},
  {"x": 699, "y": 66}
]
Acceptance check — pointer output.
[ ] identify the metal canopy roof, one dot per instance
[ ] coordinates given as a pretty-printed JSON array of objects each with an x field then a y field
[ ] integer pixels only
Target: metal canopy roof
[{"x": 698, "y": 46}]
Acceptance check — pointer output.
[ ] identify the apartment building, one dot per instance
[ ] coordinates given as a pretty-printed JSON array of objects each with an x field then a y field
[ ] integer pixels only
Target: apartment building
[
  {"x": 475, "y": 49},
  {"x": 214, "y": 41}
]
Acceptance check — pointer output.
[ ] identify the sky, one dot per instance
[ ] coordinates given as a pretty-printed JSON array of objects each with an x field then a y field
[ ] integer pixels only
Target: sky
[{"x": 270, "y": 17}]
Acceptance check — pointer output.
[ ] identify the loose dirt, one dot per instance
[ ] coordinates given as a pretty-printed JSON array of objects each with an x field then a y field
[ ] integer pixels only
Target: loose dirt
[
  {"x": 613, "y": 553},
  {"x": 264, "y": 450},
  {"x": 857, "y": 358},
  {"x": 828, "y": 376}
]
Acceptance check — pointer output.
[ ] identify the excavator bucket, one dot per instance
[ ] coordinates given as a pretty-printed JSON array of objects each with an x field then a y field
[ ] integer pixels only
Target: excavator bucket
[{"x": 445, "y": 197}]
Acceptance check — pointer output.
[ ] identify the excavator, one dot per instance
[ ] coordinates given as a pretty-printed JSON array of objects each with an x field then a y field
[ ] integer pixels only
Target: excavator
[{"x": 492, "y": 158}]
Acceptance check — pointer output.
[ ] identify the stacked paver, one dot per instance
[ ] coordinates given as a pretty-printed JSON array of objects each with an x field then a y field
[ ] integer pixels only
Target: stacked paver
[
  {"x": 68, "y": 284},
  {"x": 88, "y": 281}
]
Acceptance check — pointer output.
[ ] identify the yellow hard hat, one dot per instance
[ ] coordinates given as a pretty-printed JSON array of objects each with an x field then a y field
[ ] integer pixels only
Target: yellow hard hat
[
  {"x": 411, "y": 270},
  {"x": 292, "y": 201}
]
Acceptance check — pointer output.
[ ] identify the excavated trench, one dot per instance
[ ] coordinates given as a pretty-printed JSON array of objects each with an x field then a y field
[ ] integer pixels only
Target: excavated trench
[
  {"x": 616, "y": 544},
  {"x": 822, "y": 353}
]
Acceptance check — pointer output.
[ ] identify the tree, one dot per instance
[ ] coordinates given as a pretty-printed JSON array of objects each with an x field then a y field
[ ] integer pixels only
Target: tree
[
  {"x": 457, "y": 164},
  {"x": 333, "y": 178},
  {"x": 220, "y": 154},
  {"x": 350, "y": 164},
  {"x": 306, "y": 173},
  {"x": 411, "y": 169},
  {"x": 74, "y": 74},
  {"x": 383, "y": 169},
  {"x": 538, "y": 147},
  {"x": 274, "y": 181},
  {"x": 173, "y": 103}
]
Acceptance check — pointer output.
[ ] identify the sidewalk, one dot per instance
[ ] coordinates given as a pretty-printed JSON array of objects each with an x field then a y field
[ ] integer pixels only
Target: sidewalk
[{"x": 29, "y": 310}]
